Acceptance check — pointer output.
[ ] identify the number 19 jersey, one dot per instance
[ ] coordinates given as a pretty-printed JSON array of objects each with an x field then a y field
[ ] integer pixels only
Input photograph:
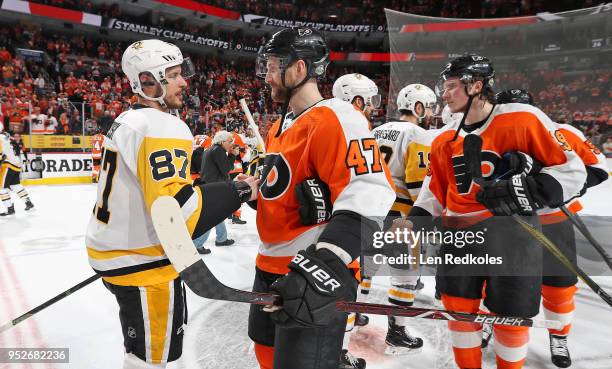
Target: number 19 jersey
[{"x": 405, "y": 148}]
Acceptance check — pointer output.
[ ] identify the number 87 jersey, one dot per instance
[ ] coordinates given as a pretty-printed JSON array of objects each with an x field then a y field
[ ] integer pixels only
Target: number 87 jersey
[
  {"x": 405, "y": 147},
  {"x": 146, "y": 155}
]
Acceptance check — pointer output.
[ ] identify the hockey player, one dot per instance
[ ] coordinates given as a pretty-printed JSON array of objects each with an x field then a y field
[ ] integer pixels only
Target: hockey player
[
  {"x": 449, "y": 118},
  {"x": 362, "y": 93},
  {"x": 97, "y": 142},
  {"x": 238, "y": 167},
  {"x": 513, "y": 287},
  {"x": 322, "y": 177},
  {"x": 558, "y": 285},
  {"x": 358, "y": 90},
  {"x": 147, "y": 153},
  {"x": 10, "y": 170},
  {"x": 405, "y": 146}
]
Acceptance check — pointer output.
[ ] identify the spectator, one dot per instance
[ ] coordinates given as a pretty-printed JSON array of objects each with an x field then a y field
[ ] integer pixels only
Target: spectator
[
  {"x": 217, "y": 162},
  {"x": 39, "y": 84},
  {"x": 607, "y": 147}
]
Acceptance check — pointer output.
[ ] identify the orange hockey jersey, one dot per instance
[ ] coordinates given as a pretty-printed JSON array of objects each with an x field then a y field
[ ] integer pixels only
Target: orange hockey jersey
[
  {"x": 97, "y": 142},
  {"x": 202, "y": 141},
  {"x": 590, "y": 155},
  {"x": 330, "y": 141},
  {"x": 448, "y": 190},
  {"x": 238, "y": 162}
]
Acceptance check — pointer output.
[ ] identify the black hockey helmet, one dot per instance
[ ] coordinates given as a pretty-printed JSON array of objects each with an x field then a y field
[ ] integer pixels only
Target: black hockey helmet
[
  {"x": 469, "y": 68},
  {"x": 514, "y": 96},
  {"x": 291, "y": 45}
]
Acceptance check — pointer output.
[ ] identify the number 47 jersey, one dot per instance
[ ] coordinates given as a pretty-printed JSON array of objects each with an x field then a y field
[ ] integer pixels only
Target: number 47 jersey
[{"x": 146, "y": 155}]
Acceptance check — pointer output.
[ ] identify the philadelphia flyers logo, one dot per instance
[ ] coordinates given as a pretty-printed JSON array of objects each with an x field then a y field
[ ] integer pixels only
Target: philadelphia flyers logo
[
  {"x": 276, "y": 176},
  {"x": 463, "y": 179}
]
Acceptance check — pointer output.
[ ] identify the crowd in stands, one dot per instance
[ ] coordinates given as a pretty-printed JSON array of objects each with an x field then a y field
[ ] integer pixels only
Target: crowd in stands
[
  {"x": 371, "y": 11},
  {"x": 80, "y": 88},
  {"x": 368, "y": 12}
]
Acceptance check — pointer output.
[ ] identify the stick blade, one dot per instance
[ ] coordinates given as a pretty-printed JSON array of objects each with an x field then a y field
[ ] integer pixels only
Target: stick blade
[{"x": 173, "y": 234}]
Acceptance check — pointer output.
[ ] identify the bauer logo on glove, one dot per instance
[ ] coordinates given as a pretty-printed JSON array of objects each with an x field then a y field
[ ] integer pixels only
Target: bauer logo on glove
[
  {"x": 315, "y": 201},
  {"x": 328, "y": 284},
  {"x": 316, "y": 281}
]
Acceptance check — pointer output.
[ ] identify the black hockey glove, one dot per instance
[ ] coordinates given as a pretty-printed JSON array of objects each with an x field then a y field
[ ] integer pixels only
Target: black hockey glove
[
  {"x": 517, "y": 195},
  {"x": 517, "y": 162},
  {"x": 315, "y": 201},
  {"x": 316, "y": 280},
  {"x": 243, "y": 190}
]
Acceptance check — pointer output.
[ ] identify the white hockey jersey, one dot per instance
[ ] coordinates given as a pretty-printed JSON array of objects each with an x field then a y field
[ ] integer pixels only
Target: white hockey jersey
[
  {"x": 147, "y": 154},
  {"x": 10, "y": 156},
  {"x": 405, "y": 148}
]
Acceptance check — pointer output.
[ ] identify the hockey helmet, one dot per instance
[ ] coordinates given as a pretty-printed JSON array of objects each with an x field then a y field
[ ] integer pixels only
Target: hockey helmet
[
  {"x": 350, "y": 86},
  {"x": 514, "y": 96},
  {"x": 293, "y": 44},
  {"x": 469, "y": 68},
  {"x": 415, "y": 93},
  {"x": 154, "y": 57}
]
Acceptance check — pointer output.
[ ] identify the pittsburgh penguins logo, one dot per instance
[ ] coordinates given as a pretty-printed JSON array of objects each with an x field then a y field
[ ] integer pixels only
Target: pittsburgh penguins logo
[
  {"x": 137, "y": 45},
  {"x": 276, "y": 176}
]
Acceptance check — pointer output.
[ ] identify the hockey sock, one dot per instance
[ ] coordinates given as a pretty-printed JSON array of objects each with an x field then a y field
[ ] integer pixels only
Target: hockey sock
[
  {"x": 365, "y": 285},
  {"x": 559, "y": 305},
  {"x": 510, "y": 346},
  {"x": 402, "y": 290},
  {"x": 264, "y": 355},
  {"x": 20, "y": 191},
  {"x": 5, "y": 197},
  {"x": 131, "y": 361},
  {"x": 466, "y": 338}
]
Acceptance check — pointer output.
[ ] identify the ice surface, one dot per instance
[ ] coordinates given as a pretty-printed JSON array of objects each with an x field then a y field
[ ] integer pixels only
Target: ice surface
[{"x": 43, "y": 253}]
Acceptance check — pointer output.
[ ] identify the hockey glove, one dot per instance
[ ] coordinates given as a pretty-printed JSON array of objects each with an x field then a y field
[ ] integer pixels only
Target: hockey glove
[
  {"x": 517, "y": 162},
  {"x": 316, "y": 280},
  {"x": 517, "y": 195},
  {"x": 315, "y": 201}
]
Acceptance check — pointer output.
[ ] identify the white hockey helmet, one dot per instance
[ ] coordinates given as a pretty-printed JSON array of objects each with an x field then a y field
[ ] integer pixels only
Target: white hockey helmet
[
  {"x": 412, "y": 94},
  {"x": 153, "y": 56},
  {"x": 349, "y": 86},
  {"x": 449, "y": 117}
]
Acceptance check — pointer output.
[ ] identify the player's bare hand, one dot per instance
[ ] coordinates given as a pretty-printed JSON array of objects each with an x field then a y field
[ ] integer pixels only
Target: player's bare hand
[
  {"x": 401, "y": 224},
  {"x": 271, "y": 308}
]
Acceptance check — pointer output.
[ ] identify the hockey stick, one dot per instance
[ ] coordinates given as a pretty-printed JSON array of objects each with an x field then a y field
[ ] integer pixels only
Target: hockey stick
[
  {"x": 48, "y": 303},
  {"x": 575, "y": 219},
  {"x": 252, "y": 123},
  {"x": 173, "y": 234},
  {"x": 174, "y": 237},
  {"x": 436, "y": 314},
  {"x": 472, "y": 146}
]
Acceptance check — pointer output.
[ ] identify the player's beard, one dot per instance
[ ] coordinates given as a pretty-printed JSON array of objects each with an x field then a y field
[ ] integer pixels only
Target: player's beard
[
  {"x": 174, "y": 102},
  {"x": 279, "y": 94}
]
